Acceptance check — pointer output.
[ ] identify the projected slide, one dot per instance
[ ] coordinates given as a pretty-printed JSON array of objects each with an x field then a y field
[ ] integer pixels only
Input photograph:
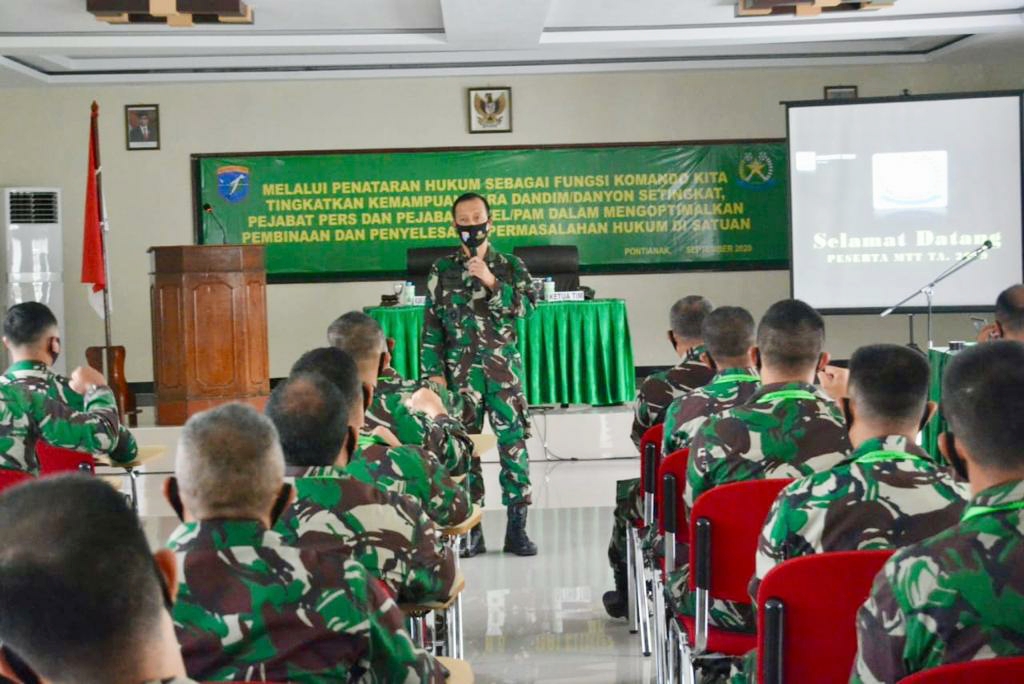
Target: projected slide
[{"x": 886, "y": 195}]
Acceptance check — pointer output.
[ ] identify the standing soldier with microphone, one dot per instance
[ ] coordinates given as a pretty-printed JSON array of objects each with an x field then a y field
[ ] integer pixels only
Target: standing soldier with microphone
[{"x": 469, "y": 344}]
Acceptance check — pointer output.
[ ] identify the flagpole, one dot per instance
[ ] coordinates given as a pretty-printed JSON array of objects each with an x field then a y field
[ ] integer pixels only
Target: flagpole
[{"x": 102, "y": 209}]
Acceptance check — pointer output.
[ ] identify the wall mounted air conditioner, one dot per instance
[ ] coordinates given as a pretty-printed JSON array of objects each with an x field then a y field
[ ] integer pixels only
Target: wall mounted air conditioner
[{"x": 33, "y": 251}]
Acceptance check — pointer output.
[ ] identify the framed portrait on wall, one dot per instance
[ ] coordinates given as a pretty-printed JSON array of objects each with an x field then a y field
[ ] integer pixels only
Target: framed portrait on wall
[
  {"x": 142, "y": 127},
  {"x": 490, "y": 110}
]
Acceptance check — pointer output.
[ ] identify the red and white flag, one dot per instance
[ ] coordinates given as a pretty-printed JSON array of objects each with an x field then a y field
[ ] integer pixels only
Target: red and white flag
[{"x": 94, "y": 271}]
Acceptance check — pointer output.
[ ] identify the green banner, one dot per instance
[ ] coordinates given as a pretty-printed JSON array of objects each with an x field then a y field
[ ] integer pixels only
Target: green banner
[{"x": 627, "y": 208}]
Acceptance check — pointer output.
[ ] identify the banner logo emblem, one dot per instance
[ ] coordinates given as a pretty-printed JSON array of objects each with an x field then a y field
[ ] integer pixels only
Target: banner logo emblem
[
  {"x": 233, "y": 183},
  {"x": 757, "y": 170}
]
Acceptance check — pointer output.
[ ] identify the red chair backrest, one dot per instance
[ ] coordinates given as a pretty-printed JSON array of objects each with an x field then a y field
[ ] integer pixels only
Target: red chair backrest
[
  {"x": 654, "y": 436},
  {"x": 9, "y": 478},
  {"x": 818, "y": 590},
  {"x": 673, "y": 464},
  {"x": 991, "y": 671},
  {"x": 53, "y": 460},
  {"x": 736, "y": 512}
]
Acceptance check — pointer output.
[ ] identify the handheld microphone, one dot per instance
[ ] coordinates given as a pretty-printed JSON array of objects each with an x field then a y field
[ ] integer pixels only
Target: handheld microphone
[
  {"x": 985, "y": 246},
  {"x": 208, "y": 208}
]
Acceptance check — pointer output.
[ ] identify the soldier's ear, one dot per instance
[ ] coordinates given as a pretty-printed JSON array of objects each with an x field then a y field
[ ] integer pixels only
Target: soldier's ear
[
  {"x": 930, "y": 409},
  {"x": 823, "y": 359},
  {"x": 947, "y": 447},
  {"x": 167, "y": 572},
  {"x": 367, "y": 396},
  {"x": 755, "y": 357},
  {"x": 706, "y": 359},
  {"x": 672, "y": 339}
]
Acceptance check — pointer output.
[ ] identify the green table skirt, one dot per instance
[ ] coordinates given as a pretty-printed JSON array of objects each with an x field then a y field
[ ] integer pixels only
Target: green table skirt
[
  {"x": 573, "y": 352},
  {"x": 938, "y": 359}
]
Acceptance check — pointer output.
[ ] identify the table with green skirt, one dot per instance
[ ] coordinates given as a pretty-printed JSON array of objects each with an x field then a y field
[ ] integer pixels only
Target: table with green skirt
[
  {"x": 938, "y": 359},
  {"x": 573, "y": 352}
]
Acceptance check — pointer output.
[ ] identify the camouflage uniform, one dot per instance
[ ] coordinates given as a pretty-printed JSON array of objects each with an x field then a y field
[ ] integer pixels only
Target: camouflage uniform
[
  {"x": 469, "y": 337},
  {"x": 952, "y": 598},
  {"x": 27, "y": 416},
  {"x": 660, "y": 389},
  {"x": 36, "y": 376},
  {"x": 786, "y": 430},
  {"x": 250, "y": 607},
  {"x": 387, "y": 533},
  {"x": 414, "y": 472},
  {"x": 656, "y": 393},
  {"x": 730, "y": 387},
  {"x": 862, "y": 504},
  {"x": 444, "y": 436}
]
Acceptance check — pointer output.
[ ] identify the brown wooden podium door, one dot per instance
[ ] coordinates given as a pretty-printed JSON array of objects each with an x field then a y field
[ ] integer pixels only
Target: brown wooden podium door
[{"x": 209, "y": 329}]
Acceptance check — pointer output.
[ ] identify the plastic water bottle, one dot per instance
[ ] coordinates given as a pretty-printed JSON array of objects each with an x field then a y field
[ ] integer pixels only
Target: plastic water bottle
[
  {"x": 549, "y": 288},
  {"x": 409, "y": 292}
]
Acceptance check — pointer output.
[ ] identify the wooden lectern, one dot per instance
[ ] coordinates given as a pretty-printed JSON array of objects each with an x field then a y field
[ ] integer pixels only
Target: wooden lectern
[{"x": 209, "y": 308}]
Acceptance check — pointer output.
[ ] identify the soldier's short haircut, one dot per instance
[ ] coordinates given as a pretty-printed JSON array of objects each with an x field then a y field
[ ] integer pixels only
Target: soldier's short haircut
[
  {"x": 27, "y": 322},
  {"x": 728, "y": 332},
  {"x": 467, "y": 196},
  {"x": 983, "y": 401},
  {"x": 339, "y": 368},
  {"x": 79, "y": 590},
  {"x": 687, "y": 316},
  {"x": 889, "y": 382},
  {"x": 311, "y": 419},
  {"x": 791, "y": 335},
  {"x": 359, "y": 335},
  {"x": 229, "y": 463},
  {"x": 1010, "y": 308}
]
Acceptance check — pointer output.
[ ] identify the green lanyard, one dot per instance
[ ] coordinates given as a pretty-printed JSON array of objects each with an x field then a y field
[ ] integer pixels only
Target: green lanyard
[
  {"x": 882, "y": 456},
  {"x": 366, "y": 441},
  {"x": 977, "y": 511},
  {"x": 738, "y": 378},
  {"x": 787, "y": 394}
]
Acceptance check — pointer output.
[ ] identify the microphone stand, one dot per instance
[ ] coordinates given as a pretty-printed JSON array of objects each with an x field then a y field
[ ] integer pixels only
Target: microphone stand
[
  {"x": 223, "y": 232},
  {"x": 929, "y": 290}
]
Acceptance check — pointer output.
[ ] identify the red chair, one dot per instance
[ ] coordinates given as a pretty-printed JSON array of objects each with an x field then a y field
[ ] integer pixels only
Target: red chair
[
  {"x": 800, "y": 595},
  {"x": 674, "y": 464},
  {"x": 9, "y": 478},
  {"x": 991, "y": 671},
  {"x": 654, "y": 436},
  {"x": 54, "y": 460},
  {"x": 724, "y": 527}
]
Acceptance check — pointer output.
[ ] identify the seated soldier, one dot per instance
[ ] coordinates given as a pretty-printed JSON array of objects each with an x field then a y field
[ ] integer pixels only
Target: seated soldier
[
  {"x": 888, "y": 494},
  {"x": 389, "y": 534},
  {"x": 84, "y": 601},
  {"x": 656, "y": 393},
  {"x": 417, "y": 412},
  {"x": 380, "y": 461},
  {"x": 32, "y": 339},
  {"x": 249, "y": 605},
  {"x": 728, "y": 333},
  {"x": 788, "y": 428},
  {"x": 956, "y": 596},
  {"x": 1009, "y": 323}
]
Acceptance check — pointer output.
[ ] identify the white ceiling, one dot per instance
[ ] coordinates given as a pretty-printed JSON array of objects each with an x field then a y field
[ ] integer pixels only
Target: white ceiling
[{"x": 57, "y": 41}]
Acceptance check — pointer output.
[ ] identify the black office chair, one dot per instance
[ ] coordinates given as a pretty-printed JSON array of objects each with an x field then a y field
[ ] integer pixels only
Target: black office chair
[
  {"x": 560, "y": 262},
  {"x": 418, "y": 262}
]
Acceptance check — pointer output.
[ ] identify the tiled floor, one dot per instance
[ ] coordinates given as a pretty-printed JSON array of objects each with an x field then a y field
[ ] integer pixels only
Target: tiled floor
[{"x": 534, "y": 619}]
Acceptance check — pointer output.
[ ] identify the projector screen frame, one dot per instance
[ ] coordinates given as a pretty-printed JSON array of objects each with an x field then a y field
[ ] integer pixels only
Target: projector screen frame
[{"x": 923, "y": 308}]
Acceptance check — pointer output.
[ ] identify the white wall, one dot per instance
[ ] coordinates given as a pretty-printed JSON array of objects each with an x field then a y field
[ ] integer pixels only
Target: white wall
[{"x": 43, "y": 135}]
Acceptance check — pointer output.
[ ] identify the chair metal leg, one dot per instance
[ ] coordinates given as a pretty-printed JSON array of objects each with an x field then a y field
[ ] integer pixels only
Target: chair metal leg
[
  {"x": 670, "y": 653},
  {"x": 682, "y": 656},
  {"x": 416, "y": 631},
  {"x": 700, "y": 638},
  {"x": 643, "y": 607},
  {"x": 658, "y": 620},
  {"x": 133, "y": 475},
  {"x": 631, "y": 581}
]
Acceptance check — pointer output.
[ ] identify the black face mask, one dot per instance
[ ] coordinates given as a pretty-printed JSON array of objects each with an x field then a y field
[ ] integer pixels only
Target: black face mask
[
  {"x": 19, "y": 667},
  {"x": 54, "y": 355},
  {"x": 280, "y": 503},
  {"x": 351, "y": 442},
  {"x": 382, "y": 364},
  {"x": 844, "y": 403},
  {"x": 367, "y": 398},
  {"x": 473, "y": 236},
  {"x": 955, "y": 459}
]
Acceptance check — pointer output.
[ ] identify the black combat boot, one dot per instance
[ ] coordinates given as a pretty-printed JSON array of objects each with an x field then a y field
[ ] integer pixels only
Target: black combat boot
[
  {"x": 516, "y": 540},
  {"x": 473, "y": 543},
  {"x": 616, "y": 603}
]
